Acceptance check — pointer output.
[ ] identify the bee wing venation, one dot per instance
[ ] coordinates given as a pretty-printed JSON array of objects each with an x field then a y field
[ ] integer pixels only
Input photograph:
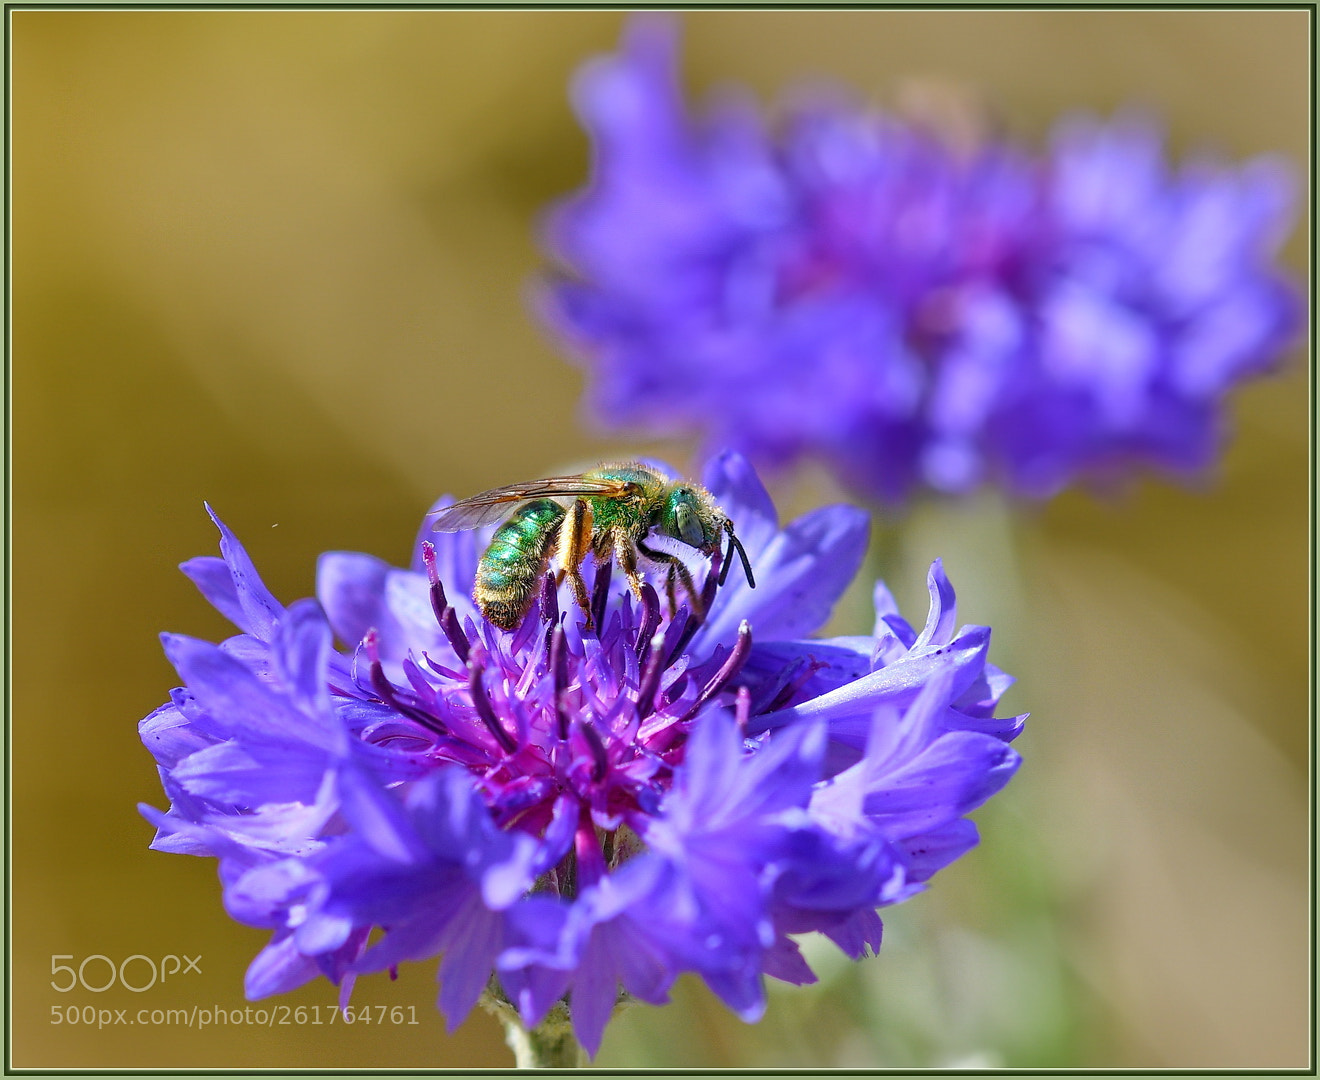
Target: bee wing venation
[
  {"x": 490, "y": 507},
  {"x": 469, "y": 515}
]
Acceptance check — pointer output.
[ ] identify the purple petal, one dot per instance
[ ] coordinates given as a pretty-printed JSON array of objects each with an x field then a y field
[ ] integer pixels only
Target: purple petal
[
  {"x": 236, "y": 698},
  {"x": 301, "y": 651},
  {"x": 212, "y": 576},
  {"x": 361, "y": 593},
  {"x": 261, "y": 896},
  {"x": 378, "y": 820},
  {"x": 595, "y": 989},
  {"x": 956, "y": 774},
  {"x": 943, "y": 615},
  {"x": 934, "y": 850},
  {"x": 863, "y": 930},
  {"x": 170, "y": 736},
  {"x": 730, "y": 478},
  {"x": 851, "y": 706},
  {"x": 261, "y": 612},
  {"x": 277, "y": 969},
  {"x": 250, "y": 775},
  {"x": 473, "y": 942},
  {"x": 784, "y": 961},
  {"x": 800, "y": 575}
]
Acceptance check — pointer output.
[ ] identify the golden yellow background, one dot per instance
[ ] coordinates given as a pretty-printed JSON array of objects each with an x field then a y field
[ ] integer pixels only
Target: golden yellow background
[{"x": 279, "y": 261}]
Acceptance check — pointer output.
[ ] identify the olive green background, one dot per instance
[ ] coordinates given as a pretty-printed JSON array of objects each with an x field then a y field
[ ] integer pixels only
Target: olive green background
[{"x": 279, "y": 261}]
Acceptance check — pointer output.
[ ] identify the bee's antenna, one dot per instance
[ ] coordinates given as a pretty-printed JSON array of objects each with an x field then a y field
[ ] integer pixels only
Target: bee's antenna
[{"x": 747, "y": 565}]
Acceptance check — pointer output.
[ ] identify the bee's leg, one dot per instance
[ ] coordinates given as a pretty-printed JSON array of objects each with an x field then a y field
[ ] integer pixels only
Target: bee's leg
[
  {"x": 670, "y": 577},
  {"x": 675, "y": 568},
  {"x": 625, "y": 551},
  {"x": 574, "y": 543}
]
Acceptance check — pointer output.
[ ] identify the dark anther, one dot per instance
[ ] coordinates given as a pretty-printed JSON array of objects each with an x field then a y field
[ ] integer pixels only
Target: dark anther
[
  {"x": 386, "y": 692},
  {"x": 458, "y": 640},
  {"x": 792, "y": 680},
  {"x": 597, "y": 752},
  {"x": 690, "y": 628},
  {"x": 732, "y": 665},
  {"x": 445, "y": 615},
  {"x": 600, "y": 591},
  {"x": 650, "y": 680},
  {"x": 549, "y": 599},
  {"x": 438, "y": 599},
  {"x": 650, "y": 620},
  {"x": 559, "y": 672},
  {"x": 714, "y": 579},
  {"x": 482, "y": 703}
]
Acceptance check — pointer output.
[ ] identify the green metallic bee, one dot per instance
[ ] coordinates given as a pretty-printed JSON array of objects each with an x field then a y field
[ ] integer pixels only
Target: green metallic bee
[{"x": 613, "y": 508}]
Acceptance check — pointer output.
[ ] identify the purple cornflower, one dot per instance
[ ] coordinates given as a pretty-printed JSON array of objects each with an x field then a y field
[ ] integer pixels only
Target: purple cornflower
[
  {"x": 575, "y": 812},
  {"x": 916, "y": 314}
]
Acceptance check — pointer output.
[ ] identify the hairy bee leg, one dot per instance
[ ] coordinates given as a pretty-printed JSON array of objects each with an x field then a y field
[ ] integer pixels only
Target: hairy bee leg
[
  {"x": 625, "y": 551},
  {"x": 574, "y": 543},
  {"x": 676, "y": 568}
]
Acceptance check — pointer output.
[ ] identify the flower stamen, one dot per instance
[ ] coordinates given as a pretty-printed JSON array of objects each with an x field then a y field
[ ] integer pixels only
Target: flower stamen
[
  {"x": 600, "y": 760},
  {"x": 445, "y": 615},
  {"x": 389, "y": 696},
  {"x": 742, "y": 709},
  {"x": 559, "y": 671},
  {"x": 586, "y": 846},
  {"x": 481, "y": 702},
  {"x": 549, "y": 599},
  {"x": 650, "y": 620},
  {"x": 650, "y": 680},
  {"x": 733, "y": 663},
  {"x": 600, "y": 591}
]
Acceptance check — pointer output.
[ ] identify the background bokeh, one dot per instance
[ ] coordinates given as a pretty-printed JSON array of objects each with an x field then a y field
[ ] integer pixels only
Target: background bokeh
[{"x": 279, "y": 261}]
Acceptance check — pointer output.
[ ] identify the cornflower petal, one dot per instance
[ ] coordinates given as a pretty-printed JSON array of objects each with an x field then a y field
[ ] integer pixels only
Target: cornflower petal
[
  {"x": 801, "y": 572},
  {"x": 245, "y": 601}
]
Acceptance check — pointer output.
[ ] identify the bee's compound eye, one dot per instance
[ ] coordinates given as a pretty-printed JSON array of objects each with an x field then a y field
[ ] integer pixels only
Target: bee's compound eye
[{"x": 689, "y": 527}]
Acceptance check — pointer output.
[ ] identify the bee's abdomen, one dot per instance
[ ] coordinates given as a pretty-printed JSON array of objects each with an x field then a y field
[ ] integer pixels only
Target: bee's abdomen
[{"x": 510, "y": 571}]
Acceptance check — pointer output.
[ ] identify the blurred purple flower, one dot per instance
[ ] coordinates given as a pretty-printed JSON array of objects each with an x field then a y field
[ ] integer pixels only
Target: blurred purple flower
[
  {"x": 914, "y": 313},
  {"x": 573, "y": 812}
]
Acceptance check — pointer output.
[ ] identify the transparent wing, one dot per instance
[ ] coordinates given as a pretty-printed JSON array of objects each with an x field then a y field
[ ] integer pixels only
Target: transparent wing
[{"x": 492, "y": 506}]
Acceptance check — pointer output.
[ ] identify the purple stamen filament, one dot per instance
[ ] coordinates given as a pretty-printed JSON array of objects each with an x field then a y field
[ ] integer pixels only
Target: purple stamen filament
[
  {"x": 385, "y": 689},
  {"x": 590, "y": 858},
  {"x": 559, "y": 672},
  {"x": 549, "y": 599},
  {"x": 732, "y": 665},
  {"x": 481, "y": 702},
  {"x": 650, "y": 620},
  {"x": 601, "y": 760},
  {"x": 445, "y": 615},
  {"x": 650, "y": 680},
  {"x": 600, "y": 590}
]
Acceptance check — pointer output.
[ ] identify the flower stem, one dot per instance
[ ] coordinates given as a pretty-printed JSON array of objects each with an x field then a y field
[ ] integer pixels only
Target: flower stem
[{"x": 549, "y": 1045}]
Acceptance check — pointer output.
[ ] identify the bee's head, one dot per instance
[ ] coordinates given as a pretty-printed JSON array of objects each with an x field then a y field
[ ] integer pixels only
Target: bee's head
[{"x": 689, "y": 517}]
